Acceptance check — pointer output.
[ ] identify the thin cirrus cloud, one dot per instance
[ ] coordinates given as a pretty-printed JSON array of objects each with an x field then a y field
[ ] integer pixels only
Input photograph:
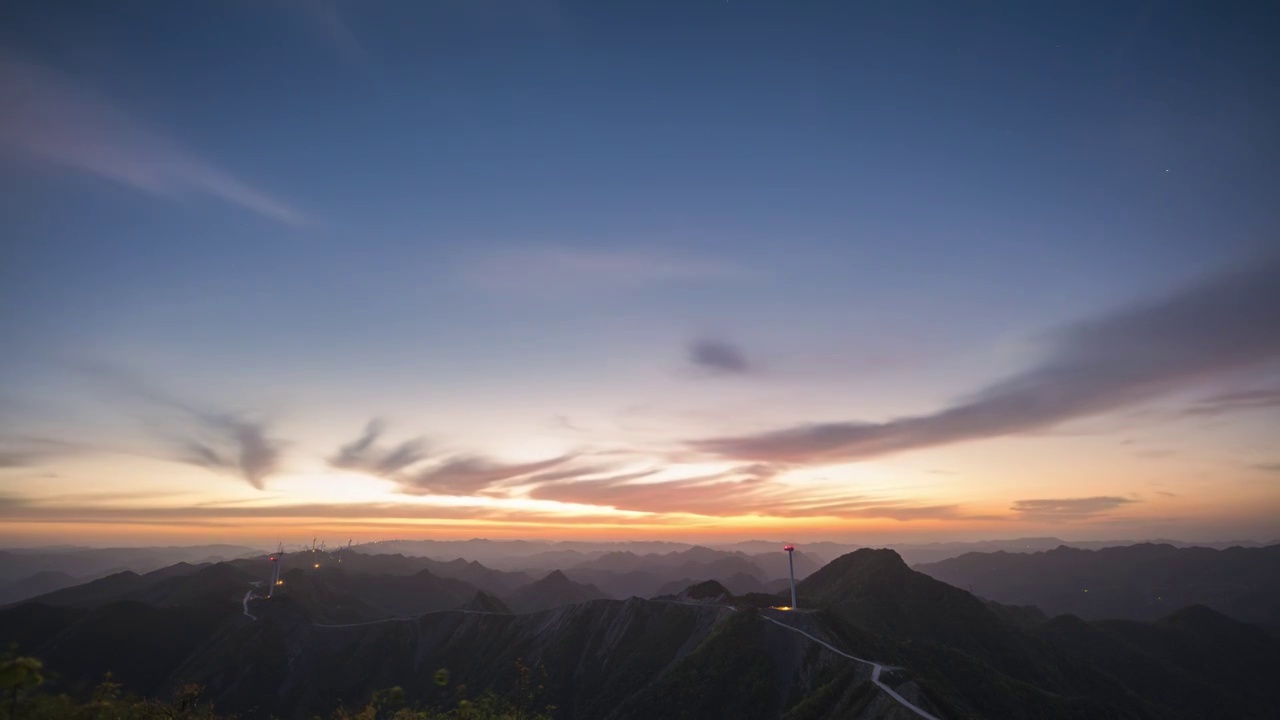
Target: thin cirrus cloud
[
  {"x": 1222, "y": 325},
  {"x": 472, "y": 474},
  {"x": 1256, "y": 399},
  {"x": 1068, "y": 508},
  {"x": 327, "y": 20},
  {"x": 746, "y": 490},
  {"x": 26, "y": 452},
  {"x": 457, "y": 475},
  {"x": 718, "y": 357},
  {"x": 50, "y": 118},
  {"x": 553, "y": 269},
  {"x": 364, "y": 454},
  {"x": 194, "y": 434}
]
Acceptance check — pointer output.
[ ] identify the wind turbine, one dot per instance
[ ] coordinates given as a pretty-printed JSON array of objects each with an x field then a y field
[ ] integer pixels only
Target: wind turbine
[
  {"x": 276, "y": 561},
  {"x": 791, "y": 565}
]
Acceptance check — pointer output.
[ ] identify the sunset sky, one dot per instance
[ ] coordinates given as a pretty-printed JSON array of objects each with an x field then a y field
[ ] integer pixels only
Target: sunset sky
[{"x": 684, "y": 270}]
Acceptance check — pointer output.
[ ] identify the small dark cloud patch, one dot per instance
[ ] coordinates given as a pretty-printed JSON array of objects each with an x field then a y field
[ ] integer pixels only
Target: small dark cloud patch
[
  {"x": 1166, "y": 493},
  {"x": 1068, "y": 508},
  {"x": 564, "y": 422},
  {"x": 1268, "y": 467},
  {"x": 718, "y": 357}
]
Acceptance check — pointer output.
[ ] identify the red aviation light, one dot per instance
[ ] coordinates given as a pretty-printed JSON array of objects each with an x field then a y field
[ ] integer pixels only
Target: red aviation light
[{"x": 788, "y": 548}]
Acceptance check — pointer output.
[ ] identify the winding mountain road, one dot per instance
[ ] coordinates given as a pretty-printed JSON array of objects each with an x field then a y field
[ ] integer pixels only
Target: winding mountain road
[
  {"x": 247, "y": 597},
  {"x": 877, "y": 668}
]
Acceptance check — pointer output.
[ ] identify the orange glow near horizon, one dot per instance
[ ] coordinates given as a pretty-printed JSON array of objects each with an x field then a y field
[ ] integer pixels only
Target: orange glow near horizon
[{"x": 689, "y": 501}]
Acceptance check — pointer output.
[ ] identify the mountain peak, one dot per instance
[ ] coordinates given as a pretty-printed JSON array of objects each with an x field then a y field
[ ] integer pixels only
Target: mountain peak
[
  {"x": 706, "y": 591},
  {"x": 552, "y": 591},
  {"x": 868, "y": 561},
  {"x": 556, "y": 576},
  {"x": 483, "y": 602}
]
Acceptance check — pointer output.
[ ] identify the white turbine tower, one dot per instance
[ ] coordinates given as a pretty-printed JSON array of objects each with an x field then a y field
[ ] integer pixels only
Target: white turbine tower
[
  {"x": 276, "y": 561},
  {"x": 791, "y": 564}
]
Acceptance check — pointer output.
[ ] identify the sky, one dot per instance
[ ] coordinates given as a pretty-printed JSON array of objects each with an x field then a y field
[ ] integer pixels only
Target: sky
[{"x": 687, "y": 270}]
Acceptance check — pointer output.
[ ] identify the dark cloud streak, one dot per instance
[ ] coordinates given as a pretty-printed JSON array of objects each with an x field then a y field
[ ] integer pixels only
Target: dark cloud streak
[
  {"x": 1213, "y": 328},
  {"x": 1257, "y": 399},
  {"x": 471, "y": 474},
  {"x": 1068, "y": 508},
  {"x": 746, "y": 490}
]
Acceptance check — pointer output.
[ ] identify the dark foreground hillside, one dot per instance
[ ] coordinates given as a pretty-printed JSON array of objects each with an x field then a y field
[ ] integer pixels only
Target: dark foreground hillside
[{"x": 327, "y": 640}]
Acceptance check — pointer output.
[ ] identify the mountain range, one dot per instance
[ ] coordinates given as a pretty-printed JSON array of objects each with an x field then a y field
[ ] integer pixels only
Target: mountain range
[
  {"x": 873, "y": 639},
  {"x": 1136, "y": 582},
  {"x": 28, "y": 572}
]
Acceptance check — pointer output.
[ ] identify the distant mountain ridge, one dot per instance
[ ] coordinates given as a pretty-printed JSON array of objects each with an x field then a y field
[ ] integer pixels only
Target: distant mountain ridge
[
  {"x": 1139, "y": 582},
  {"x": 543, "y": 556},
  {"x": 28, "y": 572}
]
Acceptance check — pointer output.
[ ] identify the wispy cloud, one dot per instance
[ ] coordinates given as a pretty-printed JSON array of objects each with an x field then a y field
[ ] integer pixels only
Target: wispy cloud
[
  {"x": 48, "y": 117},
  {"x": 1268, "y": 467},
  {"x": 472, "y": 474},
  {"x": 365, "y": 455},
  {"x": 24, "y": 452},
  {"x": 233, "y": 444},
  {"x": 1244, "y": 400},
  {"x": 1214, "y": 328},
  {"x": 718, "y": 357},
  {"x": 550, "y": 269},
  {"x": 746, "y": 490},
  {"x": 1068, "y": 508},
  {"x": 195, "y": 434},
  {"x": 325, "y": 17}
]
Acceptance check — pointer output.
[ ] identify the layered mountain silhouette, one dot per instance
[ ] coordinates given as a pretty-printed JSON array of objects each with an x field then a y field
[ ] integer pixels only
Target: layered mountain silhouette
[
  {"x": 335, "y": 633},
  {"x": 554, "y": 590},
  {"x": 626, "y": 574},
  {"x": 1137, "y": 582},
  {"x": 483, "y": 602},
  {"x": 28, "y": 573}
]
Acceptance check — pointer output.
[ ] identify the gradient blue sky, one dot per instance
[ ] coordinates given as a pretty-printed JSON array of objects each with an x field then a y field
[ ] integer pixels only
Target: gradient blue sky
[{"x": 667, "y": 234}]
